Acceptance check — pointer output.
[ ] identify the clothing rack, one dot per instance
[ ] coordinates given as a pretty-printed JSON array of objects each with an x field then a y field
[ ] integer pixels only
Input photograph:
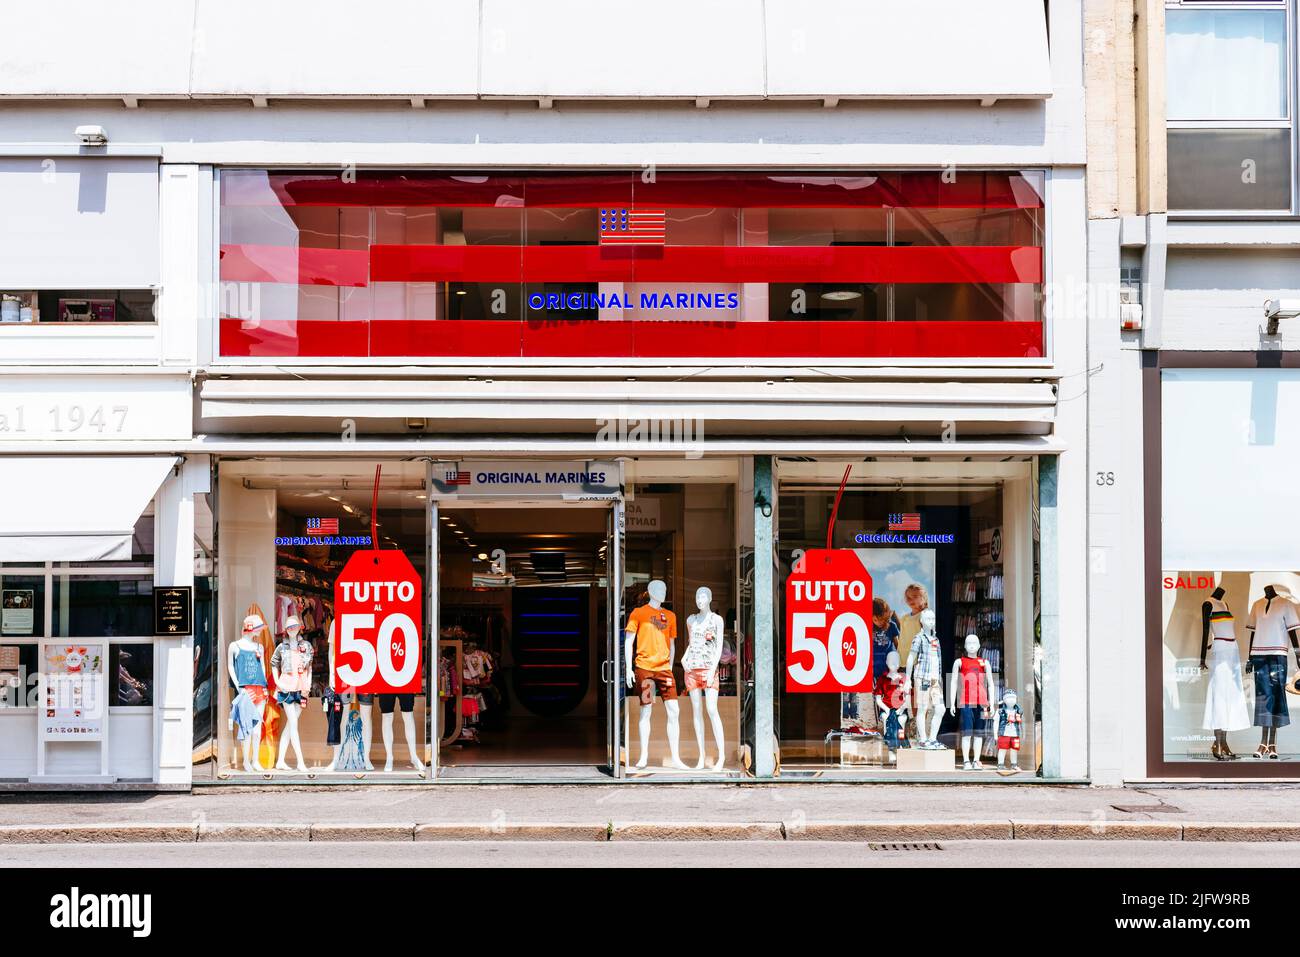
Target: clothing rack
[{"x": 457, "y": 649}]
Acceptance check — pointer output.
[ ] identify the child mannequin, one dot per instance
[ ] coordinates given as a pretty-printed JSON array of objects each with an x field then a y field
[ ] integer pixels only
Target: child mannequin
[
  {"x": 1010, "y": 721},
  {"x": 891, "y": 699}
]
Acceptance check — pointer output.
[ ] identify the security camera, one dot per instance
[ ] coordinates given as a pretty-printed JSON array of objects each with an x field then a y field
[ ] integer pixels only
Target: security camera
[
  {"x": 92, "y": 135},
  {"x": 1277, "y": 309}
]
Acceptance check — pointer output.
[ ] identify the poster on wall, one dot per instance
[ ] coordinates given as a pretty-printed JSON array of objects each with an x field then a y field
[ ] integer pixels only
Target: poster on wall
[
  {"x": 73, "y": 691},
  {"x": 17, "y": 611},
  {"x": 904, "y": 586},
  {"x": 990, "y": 547}
]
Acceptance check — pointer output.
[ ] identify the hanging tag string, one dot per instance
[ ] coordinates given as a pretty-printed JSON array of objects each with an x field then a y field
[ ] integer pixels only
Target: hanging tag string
[
  {"x": 830, "y": 529},
  {"x": 374, "y": 513}
]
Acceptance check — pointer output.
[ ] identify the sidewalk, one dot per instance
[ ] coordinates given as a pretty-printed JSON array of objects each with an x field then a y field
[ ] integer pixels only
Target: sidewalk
[{"x": 668, "y": 812}]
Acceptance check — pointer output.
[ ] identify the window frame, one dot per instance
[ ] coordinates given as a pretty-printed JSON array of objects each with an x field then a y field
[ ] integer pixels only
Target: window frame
[
  {"x": 1291, "y": 87},
  {"x": 212, "y": 329}
]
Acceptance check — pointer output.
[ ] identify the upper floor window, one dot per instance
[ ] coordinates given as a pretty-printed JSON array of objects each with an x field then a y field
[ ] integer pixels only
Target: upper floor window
[
  {"x": 1230, "y": 97},
  {"x": 625, "y": 264},
  {"x": 94, "y": 306}
]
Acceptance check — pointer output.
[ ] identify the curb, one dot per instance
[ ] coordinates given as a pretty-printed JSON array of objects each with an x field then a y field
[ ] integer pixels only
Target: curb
[
  {"x": 691, "y": 831},
  {"x": 900, "y": 831},
  {"x": 847, "y": 831},
  {"x": 99, "y": 833},
  {"x": 1099, "y": 830},
  {"x": 362, "y": 832},
  {"x": 1241, "y": 832},
  {"x": 512, "y": 832}
]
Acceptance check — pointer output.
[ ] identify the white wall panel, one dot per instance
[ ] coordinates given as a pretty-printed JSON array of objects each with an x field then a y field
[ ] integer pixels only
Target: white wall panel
[
  {"x": 523, "y": 48},
  {"x": 76, "y": 47},
  {"x": 78, "y": 223},
  {"x": 1214, "y": 299},
  {"x": 336, "y": 47},
  {"x": 582, "y": 48},
  {"x": 943, "y": 48},
  {"x": 1230, "y": 451}
]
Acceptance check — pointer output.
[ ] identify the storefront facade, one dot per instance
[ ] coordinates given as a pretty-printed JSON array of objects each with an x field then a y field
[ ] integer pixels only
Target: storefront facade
[
  {"x": 1192, "y": 239},
  {"x": 719, "y": 325}
]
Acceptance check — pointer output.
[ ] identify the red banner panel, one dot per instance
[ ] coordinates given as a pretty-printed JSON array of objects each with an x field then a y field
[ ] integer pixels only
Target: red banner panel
[
  {"x": 707, "y": 264},
  {"x": 632, "y": 338}
]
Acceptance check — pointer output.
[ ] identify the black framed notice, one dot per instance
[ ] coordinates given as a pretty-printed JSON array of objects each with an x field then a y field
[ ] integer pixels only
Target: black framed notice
[{"x": 173, "y": 610}]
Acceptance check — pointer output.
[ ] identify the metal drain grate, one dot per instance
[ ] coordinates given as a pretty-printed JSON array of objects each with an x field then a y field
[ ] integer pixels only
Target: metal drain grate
[{"x": 905, "y": 846}]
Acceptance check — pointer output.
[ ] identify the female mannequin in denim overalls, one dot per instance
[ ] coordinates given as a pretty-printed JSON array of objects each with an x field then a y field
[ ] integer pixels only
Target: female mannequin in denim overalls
[{"x": 244, "y": 665}]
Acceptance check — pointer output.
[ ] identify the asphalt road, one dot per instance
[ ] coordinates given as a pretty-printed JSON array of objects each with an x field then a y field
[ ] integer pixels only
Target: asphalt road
[{"x": 676, "y": 854}]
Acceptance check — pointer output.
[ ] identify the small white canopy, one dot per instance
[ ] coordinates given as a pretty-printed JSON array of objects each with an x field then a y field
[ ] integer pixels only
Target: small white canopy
[{"x": 74, "y": 509}]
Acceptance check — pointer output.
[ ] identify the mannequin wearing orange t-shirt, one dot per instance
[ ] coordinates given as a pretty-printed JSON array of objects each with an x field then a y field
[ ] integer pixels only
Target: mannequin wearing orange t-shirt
[{"x": 648, "y": 651}]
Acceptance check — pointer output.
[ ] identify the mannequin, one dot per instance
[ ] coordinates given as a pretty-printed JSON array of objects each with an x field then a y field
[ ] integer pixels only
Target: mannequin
[
  {"x": 406, "y": 704},
  {"x": 700, "y": 662},
  {"x": 648, "y": 651},
  {"x": 247, "y": 670},
  {"x": 1010, "y": 722},
  {"x": 340, "y": 700},
  {"x": 1225, "y": 698},
  {"x": 925, "y": 678},
  {"x": 1272, "y": 623},
  {"x": 291, "y": 665},
  {"x": 970, "y": 688},
  {"x": 891, "y": 699},
  {"x": 272, "y": 716}
]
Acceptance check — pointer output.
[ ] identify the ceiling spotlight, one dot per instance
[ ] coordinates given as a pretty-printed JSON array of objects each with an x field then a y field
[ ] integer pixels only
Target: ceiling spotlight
[{"x": 841, "y": 295}]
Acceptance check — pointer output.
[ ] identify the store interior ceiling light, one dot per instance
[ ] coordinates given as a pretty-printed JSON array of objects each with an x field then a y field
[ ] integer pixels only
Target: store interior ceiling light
[
  {"x": 325, "y": 483},
  {"x": 841, "y": 295}
]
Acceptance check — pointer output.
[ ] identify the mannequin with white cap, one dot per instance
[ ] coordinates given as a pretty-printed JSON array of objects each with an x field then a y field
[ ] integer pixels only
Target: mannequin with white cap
[
  {"x": 291, "y": 665},
  {"x": 971, "y": 694},
  {"x": 247, "y": 670}
]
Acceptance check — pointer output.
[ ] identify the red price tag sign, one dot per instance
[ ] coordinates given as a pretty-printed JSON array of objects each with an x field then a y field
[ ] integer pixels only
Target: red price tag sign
[
  {"x": 378, "y": 608},
  {"x": 828, "y": 623}
]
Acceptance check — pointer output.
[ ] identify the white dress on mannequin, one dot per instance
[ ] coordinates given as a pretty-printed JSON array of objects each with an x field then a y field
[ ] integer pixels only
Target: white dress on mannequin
[{"x": 1225, "y": 698}]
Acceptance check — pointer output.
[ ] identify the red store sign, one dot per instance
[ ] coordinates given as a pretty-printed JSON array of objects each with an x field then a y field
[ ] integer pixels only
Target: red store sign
[
  {"x": 828, "y": 623},
  {"x": 378, "y": 606}
]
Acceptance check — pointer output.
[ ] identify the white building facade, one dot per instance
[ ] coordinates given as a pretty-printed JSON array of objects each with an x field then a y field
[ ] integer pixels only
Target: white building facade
[
  {"x": 610, "y": 299},
  {"x": 1192, "y": 240}
]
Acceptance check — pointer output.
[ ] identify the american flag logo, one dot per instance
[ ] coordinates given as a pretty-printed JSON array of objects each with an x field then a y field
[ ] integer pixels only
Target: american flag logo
[
  {"x": 633, "y": 227},
  {"x": 323, "y": 526},
  {"x": 457, "y": 478},
  {"x": 905, "y": 521}
]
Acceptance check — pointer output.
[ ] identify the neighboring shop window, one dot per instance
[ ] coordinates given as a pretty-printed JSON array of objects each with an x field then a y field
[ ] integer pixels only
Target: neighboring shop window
[
  {"x": 828, "y": 264},
  {"x": 286, "y": 532},
  {"x": 92, "y": 601},
  {"x": 103, "y": 606},
  {"x": 952, "y": 553},
  {"x": 72, "y": 306},
  {"x": 1230, "y": 625},
  {"x": 1230, "y": 89}
]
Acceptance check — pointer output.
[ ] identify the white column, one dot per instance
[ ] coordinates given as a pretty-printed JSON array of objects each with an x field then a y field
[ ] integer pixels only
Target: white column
[
  {"x": 182, "y": 301},
  {"x": 1067, "y": 228},
  {"x": 173, "y": 694}
]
